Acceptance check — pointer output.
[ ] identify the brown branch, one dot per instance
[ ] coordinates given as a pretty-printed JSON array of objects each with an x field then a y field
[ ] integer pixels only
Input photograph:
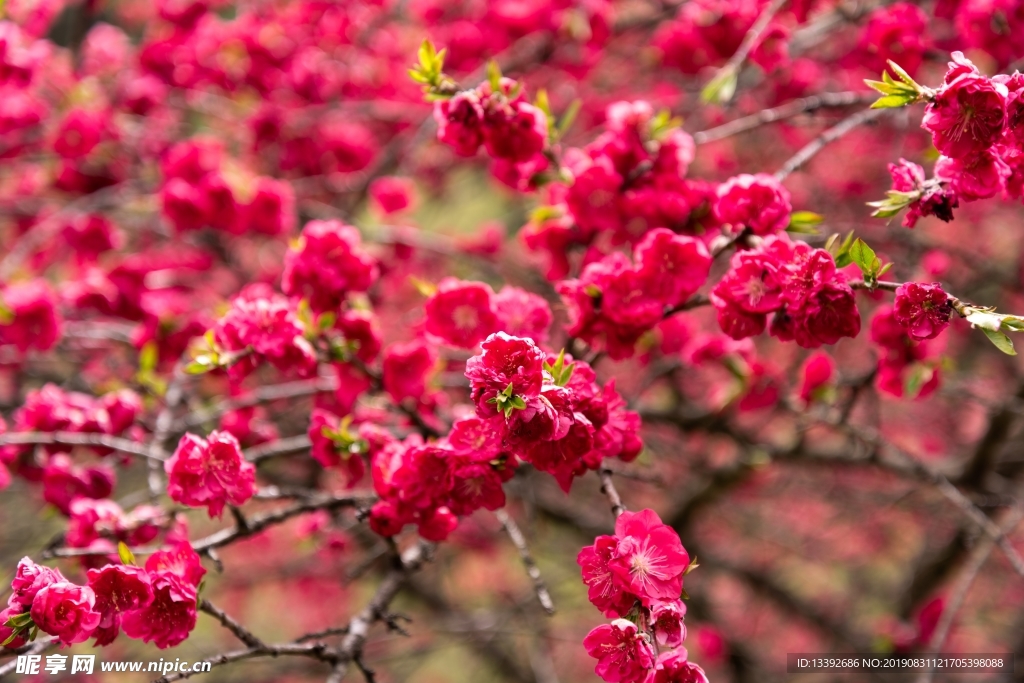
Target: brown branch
[
  {"x": 805, "y": 105},
  {"x": 519, "y": 541},
  {"x": 825, "y": 139},
  {"x": 79, "y": 439},
  {"x": 230, "y": 624},
  {"x": 608, "y": 489}
]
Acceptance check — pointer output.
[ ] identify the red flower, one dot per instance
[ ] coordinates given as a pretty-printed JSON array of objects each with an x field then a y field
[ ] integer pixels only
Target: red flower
[
  {"x": 817, "y": 372},
  {"x": 968, "y": 113},
  {"x": 522, "y": 314},
  {"x": 169, "y": 618},
  {"x": 406, "y": 367},
  {"x": 119, "y": 589},
  {"x": 503, "y": 361},
  {"x": 604, "y": 590},
  {"x": 623, "y": 653},
  {"x": 65, "y": 610},
  {"x": 758, "y": 202},
  {"x": 29, "y": 579},
  {"x": 327, "y": 262},
  {"x": 673, "y": 667},
  {"x": 922, "y": 309},
  {"x": 210, "y": 472},
  {"x": 649, "y": 558},
  {"x": 461, "y": 313}
]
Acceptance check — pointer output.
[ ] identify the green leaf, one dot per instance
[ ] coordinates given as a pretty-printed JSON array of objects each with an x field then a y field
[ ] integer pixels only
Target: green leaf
[
  {"x": 148, "y": 356},
  {"x": 864, "y": 257},
  {"x": 126, "y": 554},
  {"x": 568, "y": 117},
  {"x": 894, "y": 101},
  {"x": 721, "y": 88},
  {"x": 422, "y": 286},
  {"x": 903, "y": 75},
  {"x": 804, "y": 222},
  {"x": 494, "y": 76},
  {"x": 1001, "y": 341},
  {"x": 200, "y": 366},
  {"x": 542, "y": 102},
  {"x": 326, "y": 320},
  {"x": 10, "y": 638}
]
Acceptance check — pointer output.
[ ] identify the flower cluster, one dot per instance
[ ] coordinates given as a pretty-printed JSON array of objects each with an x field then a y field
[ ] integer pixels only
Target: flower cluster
[
  {"x": 432, "y": 484},
  {"x": 263, "y": 326},
  {"x": 52, "y": 409},
  {"x": 922, "y": 309},
  {"x": 549, "y": 410},
  {"x": 198, "y": 193},
  {"x": 907, "y": 367},
  {"x": 156, "y": 603},
  {"x": 758, "y": 203},
  {"x": 628, "y": 182},
  {"x": 809, "y": 299},
  {"x": 30, "y": 318},
  {"x": 619, "y": 302},
  {"x": 210, "y": 472},
  {"x": 636, "y": 577},
  {"x": 499, "y": 118},
  {"x": 974, "y": 121},
  {"x": 326, "y": 262}
]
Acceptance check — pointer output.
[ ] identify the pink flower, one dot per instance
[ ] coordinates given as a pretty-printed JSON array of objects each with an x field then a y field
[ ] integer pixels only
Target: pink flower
[
  {"x": 935, "y": 197},
  {"x": 327, "y": 263},
  {"x": 262, "y": 325},
  {"x": 461, "y": 313},
  {"x": 604, "y": 590},
  {"x": 673, "y": 667},
  {"x": 504, "y": 361},
  {"x": 758, "y": 202},
  {"x": 66, "y": 611},
  {"x": 79, "y": 133},
  {"x": 623, "y": 653},
  {"x": 898, "y": 32},
  {"x": 667, "y": 622},
  {"x": 29, "y": 579},
  {"x": 119, "y": 589},
  {"x": 649, "y": 559},
  {"x": 35, "y": 322},
  {"x": 522, "y": 314},
  {"x": 979, "y": 176},
  {"x": 923, "y": 309},
  {"x": 460, "y": 122},
  {"x": 169, "y": 618},
  {"x": 515, "y": 132},
  {"x": 6, "y": 631},
  {"x": 968, "y": 113},
  {"x": 210, "y": 472},
  {"x": 329, "y": 452},
  {"x": 816, "y": 372},
  {"x": 271, "y": 211},
  {"x": 181, "y": 560},
  {"x": 406, "y": 367},
  {"x": 391, "y": 195},
  {"x": 675, "y": 266}
]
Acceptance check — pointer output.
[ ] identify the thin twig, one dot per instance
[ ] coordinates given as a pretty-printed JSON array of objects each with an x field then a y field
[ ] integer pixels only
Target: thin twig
[
  {"x": 532, "y": 570},
  {"x": 608, "y": 489},
  {"x": 230, "y": 624},
  {"x": 79, "y": 439},
  {"x": 804, "y": 105},
  {"x": 825, "y": 139}
]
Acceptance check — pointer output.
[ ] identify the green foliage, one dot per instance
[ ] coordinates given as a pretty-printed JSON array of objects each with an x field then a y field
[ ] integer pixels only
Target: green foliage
[
  {"x": 897, "y": 93},
  {"x": 804, "y": 222},
  {"x": 559, "y": 371}
]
